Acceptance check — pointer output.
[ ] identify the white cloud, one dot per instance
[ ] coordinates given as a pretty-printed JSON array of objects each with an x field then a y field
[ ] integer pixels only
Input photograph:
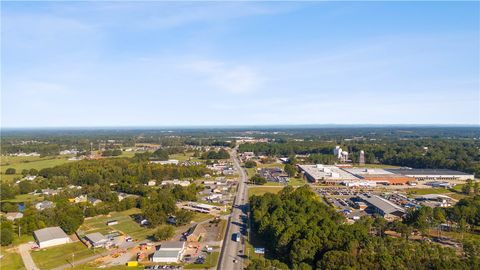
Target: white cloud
[{"x": 231, "y": 78}]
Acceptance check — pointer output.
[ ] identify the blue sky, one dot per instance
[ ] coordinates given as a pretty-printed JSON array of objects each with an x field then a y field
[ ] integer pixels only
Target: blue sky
[{"x": 238, "y": 63}]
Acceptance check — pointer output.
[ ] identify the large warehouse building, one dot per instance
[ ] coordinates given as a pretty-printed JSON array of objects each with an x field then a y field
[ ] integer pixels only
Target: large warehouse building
[
  {"x": 433, "y": 174},
  {"x": 380, "y": 176},
  {"x": 51, "y": 236},
  {"x": 326, "y": 174}
]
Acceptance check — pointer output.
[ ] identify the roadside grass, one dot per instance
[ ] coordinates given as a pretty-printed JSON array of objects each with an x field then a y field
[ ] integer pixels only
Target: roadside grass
[
  {"x": 21, "y": 163},
  {"x": 11, "y": 260},
  {"x": 221, "y": 231},
  {"x": 64, "y": 254},
  {"x": 210, "y": 261},
  {"x": 262, "y": 190}
]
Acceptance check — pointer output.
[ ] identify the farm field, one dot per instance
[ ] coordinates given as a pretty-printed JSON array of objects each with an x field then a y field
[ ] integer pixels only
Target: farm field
[
  {"x": 11, "y": 260},
  {"x": 55, "y": 256}
]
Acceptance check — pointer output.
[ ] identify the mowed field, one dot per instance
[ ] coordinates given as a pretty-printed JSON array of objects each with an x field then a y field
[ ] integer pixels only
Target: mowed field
[
  {"x": 126, "y": 224},
  {"x": 59, "y": 255},
  {"x": 27, "y": 163},
  {"x": 259, "y": 190},
  {"x": 11, "y": 260}
]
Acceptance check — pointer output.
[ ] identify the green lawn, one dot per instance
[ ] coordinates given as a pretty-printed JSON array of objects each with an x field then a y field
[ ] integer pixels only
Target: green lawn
[
  {"x": 55, "y": 256},
  {"x": 11, "y": 260},
  {"x": 293, "y": 181},
  {"x": 423, "y": 191},
  {"x": 210, "y": 261},
  {"x": 259, "y": 190}
]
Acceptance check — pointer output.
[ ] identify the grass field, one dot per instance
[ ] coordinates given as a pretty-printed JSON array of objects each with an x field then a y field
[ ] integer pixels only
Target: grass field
[
  {"x": 25, "y": 198},
  {"x": 423, "y": 191},
  {"x": 125, "y": 224},
  {"x": 262, "y": 190},
  {"x": 21, "y": 163},
  {"x": 210, "y": 261},
  {"x": 184, "y": 157},
  {"x": 296, "y": 181},
  {"x": 55, "y": 256},
  {"x": 11, "y": 260}
]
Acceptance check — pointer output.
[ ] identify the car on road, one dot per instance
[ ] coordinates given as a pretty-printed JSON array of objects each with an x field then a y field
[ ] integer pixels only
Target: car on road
[{"x": 236, "y": 237}]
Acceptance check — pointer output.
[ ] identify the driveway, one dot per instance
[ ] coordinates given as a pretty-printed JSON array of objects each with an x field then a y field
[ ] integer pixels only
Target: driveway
[{"x": 24, "y": 250}]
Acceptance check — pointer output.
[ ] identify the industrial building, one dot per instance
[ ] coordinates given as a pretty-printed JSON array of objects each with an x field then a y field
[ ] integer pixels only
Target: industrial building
[
  {"x": 383, "y": 207},
  {"x": 327, "y": 174},
  {"x": 433, "y": 174},
  {"x": 51, "y": 236},
  {"x": 380, "y": 176},
  {"x": 97, "y": 240},
  {"x": 169, "y": 252}
]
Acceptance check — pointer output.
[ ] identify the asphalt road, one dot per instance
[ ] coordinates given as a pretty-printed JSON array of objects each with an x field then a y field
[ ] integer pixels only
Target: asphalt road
[{"x": 238, "y": 223}]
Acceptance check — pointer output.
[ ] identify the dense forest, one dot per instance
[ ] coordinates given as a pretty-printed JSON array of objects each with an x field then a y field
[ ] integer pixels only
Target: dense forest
[
  {"x": 462, "y": 155},
  {"x": 301, "y": 232}
]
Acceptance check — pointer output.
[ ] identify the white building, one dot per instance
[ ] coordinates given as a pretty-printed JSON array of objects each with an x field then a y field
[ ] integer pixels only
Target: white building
[
  {"x": 51, "y": 236},
  {"x": 169, "y": 252},
  {"x": 176, "y": 182},
  {"x": 13, "y": 216}
]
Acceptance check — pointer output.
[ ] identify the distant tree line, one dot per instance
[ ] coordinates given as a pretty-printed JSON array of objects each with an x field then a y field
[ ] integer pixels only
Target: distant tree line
[{"x": 460, "y": 155}]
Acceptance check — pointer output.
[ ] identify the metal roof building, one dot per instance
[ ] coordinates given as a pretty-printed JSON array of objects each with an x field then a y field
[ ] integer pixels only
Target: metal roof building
[
  {"x": 384, "y": 207},
  {"x": 51, "y": 236},
  {"x": 433, "y": 174}
]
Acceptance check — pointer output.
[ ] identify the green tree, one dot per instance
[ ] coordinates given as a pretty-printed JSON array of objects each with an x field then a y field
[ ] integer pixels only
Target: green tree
[
  {"x": 290, "y": 170},
  {"x": 250, "y": 164},
  {"x": 10, "y": 171},
  {"x": 6, "y": 233},
  {"x": 164, "y": 232},
  {"x": 258, "y": 180},
  {"x": 183, "y": 217}
]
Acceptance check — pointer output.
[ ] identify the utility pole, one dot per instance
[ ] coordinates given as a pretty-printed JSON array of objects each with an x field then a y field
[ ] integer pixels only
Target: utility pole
[{"x": 19, "y": 227}]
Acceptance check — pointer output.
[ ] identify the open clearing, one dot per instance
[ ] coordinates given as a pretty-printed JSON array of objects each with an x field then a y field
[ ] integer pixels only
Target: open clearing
[
  {"x": 259, "y": 190},
  {"x": 126, "y": 224},
  {"x": 27, "y": 163},
  {"x": 11, "y": 260},
  {"x": 55, "y": 256}
]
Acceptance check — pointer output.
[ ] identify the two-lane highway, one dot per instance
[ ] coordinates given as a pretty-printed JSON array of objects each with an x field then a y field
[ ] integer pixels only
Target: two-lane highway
[{"x": 230, "y": 258}]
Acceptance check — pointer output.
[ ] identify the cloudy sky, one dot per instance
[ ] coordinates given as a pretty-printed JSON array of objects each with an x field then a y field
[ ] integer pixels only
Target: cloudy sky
[{"x": 164, "y": 64}]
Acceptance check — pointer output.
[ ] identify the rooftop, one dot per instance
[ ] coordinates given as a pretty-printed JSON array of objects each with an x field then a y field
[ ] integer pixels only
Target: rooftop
[
  {"x": 165, "y": 253},
  {"x": 327, "y": 172},
  {"x": 426, "y": 172},
  {"x": 386, "y": 206},
  {"x": 95, "y": 237},
  {"x": 172, "y": 245},
  {"x": 49, "y": 233}
]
